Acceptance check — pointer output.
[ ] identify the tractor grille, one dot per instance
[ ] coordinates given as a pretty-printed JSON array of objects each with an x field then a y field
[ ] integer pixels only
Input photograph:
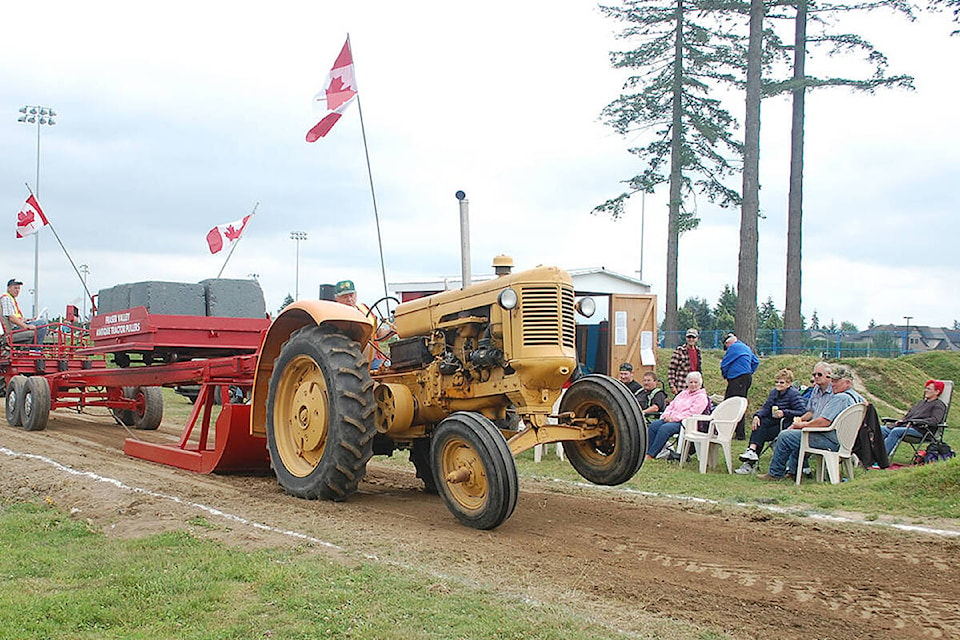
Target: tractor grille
[{"x": 547, "y": 313}]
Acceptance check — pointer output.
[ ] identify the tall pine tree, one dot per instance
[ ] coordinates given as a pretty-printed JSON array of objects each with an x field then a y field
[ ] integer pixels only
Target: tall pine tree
[{"x": 680, "y": 53}]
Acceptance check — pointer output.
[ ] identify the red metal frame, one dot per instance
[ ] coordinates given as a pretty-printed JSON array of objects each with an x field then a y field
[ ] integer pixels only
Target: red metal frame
[{"x": 77, "y": 374}]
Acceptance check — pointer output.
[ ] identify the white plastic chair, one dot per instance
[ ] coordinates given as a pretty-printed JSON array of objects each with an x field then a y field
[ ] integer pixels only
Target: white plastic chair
[
  {"x": 723, "y": 422},
  {"x": 847, "y": 424}
]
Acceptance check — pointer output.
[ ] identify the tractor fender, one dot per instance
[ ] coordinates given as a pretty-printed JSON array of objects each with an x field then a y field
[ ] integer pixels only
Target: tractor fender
[{"x": 304, "y": 313}]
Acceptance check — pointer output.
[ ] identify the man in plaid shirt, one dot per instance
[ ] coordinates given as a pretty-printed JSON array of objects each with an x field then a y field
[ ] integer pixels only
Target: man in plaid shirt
[{"x": 686, "y": 358}]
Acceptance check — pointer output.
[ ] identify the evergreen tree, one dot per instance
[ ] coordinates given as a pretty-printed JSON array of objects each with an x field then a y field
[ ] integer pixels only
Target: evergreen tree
[
  {"x": 872, "y": 324},
  {"x": 746, "y": 318},
  {"x": 679, "y": 55},
  {"x": 797, "y": 85},
  {"x": 286, "y": 301},
  {"x": 848, "y": 327},
  {"x": 815, "y": 321},
  {"x": 699, "y": 311},
  {"x": 726, "y": 303}
]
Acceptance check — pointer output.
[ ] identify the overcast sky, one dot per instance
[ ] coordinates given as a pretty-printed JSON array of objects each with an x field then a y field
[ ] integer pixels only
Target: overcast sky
[{"x": 175, "y": 117}]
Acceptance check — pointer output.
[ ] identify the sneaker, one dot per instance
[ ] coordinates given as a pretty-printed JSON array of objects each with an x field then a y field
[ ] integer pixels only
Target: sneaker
[
  {"x": 807, "y": 471},
  {"x": 746, "y": 469},
  {"x": 749, "y": 456},
  {"x": 664, "y": 453}
]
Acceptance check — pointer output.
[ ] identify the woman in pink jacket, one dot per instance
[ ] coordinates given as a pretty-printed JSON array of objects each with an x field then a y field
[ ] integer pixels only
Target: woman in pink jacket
[{"x": 690, "y": 402}]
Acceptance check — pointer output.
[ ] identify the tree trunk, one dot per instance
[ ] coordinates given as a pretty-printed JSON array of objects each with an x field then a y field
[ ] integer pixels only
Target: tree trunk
[
  {"x": 676, "y": 177},
  {"x": 745, "y": 324},
  {"x": 792, "y": 323}
]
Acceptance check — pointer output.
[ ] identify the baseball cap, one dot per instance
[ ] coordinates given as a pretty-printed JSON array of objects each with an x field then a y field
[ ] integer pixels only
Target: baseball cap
[
  {"x": 693, "y": 333},
  {"x": 841, "y": 371},
  {"x": 727, "y": 336},
  {"x": 13, "y": 281},
  {"x": 626, "y": 366},
  {"x": 344, "y": 287}
]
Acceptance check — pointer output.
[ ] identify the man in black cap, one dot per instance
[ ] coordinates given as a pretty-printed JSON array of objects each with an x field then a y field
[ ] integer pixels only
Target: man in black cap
[
  {"x": 737, "y": 367},
  {"x": 626, "y": 377},
  {"x": 24, "y": 331}
]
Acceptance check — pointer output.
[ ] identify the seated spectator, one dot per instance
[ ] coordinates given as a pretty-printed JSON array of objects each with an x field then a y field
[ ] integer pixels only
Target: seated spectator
[
  {"x": 691, "y": 401},
  {"x": 785, "y": 454},
  {"x": 784, "y": 401},
  {"x": 651, "y": 397},
  {"x": 929, "y": 411},
  {"x": 626, "y": 377},
  {"x": 33, "y": 331}
]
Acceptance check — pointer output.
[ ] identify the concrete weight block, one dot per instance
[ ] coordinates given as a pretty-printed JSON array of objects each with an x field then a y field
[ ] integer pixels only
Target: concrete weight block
[
  {"x": 116, "y": 298},
  {"x": 169, "y": 298},
  {"x": 231, "y": 298}
]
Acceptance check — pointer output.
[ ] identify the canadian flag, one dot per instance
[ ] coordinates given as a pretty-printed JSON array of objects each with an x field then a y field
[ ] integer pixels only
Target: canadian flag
[
  {"x": 31, "y": 218},
  {"x": 338, "y": 92},
  {"x": 222, "y": 235}
]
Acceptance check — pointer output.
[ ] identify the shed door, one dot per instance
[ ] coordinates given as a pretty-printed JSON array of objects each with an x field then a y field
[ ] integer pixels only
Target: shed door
[{"x": 633, "y": 332}]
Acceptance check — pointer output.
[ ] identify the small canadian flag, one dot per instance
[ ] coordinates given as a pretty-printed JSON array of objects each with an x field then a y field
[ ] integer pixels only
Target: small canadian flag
[
  {"x": 339, "y": 91},
  {"x": 222, "y": 235},
  {"x": 31, "y": 218}
]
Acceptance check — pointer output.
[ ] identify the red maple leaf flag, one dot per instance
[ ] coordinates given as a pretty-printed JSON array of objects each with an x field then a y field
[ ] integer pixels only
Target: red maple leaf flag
[
  {"x": 338, "y": 92},
  {"x": 222, "y": 235},
  {"x": 31, "y": 218}
]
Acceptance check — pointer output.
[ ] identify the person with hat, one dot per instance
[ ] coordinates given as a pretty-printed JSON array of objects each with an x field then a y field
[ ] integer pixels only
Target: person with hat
[
  {"x": 737, "y": 367},
  {"x": 345, "y": 293},
  {"x": 929, "y": 411},
  {"x": 626, "y": 377},
  {"x": 685, "y": 358},
  {"x": 24, "y": 331},
  {"x": 785, "y": 454}
]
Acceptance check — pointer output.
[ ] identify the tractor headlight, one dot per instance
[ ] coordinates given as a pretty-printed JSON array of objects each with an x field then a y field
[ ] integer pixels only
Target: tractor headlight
[
  {"x": 586, "y": 307},
  {"x": 508, "y": 299}
]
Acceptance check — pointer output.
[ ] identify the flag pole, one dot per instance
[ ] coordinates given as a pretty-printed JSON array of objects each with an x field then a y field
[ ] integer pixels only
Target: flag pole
[
  {"x": 65, "y": 252},
  {"x": 373, "y": 194},
  {"x": 234, "y": 244}
]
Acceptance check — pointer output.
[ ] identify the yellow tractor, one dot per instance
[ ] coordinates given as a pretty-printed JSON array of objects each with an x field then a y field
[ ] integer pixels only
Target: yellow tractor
[{"x": 472, "y": 379}]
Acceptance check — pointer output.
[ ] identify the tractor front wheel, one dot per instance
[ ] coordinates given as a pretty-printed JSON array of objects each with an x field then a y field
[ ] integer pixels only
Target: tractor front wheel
[
  {"x": 474, "y": 470},
  {"x": 320, "y": 409},
  {"x": 614, "y": 456}
]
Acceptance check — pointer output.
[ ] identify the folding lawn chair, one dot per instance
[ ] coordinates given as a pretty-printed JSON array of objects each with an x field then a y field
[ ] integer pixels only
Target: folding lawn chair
[{"x": 929, "y": 433}]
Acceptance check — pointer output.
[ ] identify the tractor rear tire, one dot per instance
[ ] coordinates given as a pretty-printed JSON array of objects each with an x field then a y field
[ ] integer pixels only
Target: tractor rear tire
[
  {"x": 152, "y": 413},
  {"x": 35, "y": 410},
  {"x": 613, "y": 457},
  {"x": 320, "y": 410},
  {"x": 474, "y": 470},
  {"x": 14, "y": 400},
  {"x": 125, "y": 416}
]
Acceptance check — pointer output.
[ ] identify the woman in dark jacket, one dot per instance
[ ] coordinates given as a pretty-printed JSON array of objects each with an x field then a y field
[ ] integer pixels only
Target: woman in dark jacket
[{"x": 784, "y": 401}]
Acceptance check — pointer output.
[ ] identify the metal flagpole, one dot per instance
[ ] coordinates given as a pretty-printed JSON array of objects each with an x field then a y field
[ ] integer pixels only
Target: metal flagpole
[
  {"x": 373, "y": 195},
  {"x": 252, "y": 213},
  {"x": 65, "y": 252}
]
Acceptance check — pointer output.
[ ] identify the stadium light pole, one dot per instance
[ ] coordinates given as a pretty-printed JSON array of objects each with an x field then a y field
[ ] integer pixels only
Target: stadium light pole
[
  {"x": 84, "y": 271},
  {"x": 30, "y": 114},
  {"x": 297, "y": 236}
]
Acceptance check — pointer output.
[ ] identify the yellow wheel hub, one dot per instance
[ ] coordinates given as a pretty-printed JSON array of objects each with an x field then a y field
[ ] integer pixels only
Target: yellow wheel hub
[
  {"x": 464, "y": 473},
  {"x": 302, "y": 415}
]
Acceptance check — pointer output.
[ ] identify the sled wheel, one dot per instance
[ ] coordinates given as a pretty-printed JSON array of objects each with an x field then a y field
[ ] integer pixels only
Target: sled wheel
[
  {"x": 320, "y": 410},
  {"x": 35, "y": 408},
  {"x": 474, "y": 470},
  {"x": 149, "y": 411},
  {"x": 14, "y": 401},
  {"x": 614, "y": 456},
  {"x": 124, "y": 416}
]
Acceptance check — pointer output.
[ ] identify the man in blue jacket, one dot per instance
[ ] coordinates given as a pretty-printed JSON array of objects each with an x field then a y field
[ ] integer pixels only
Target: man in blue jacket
[{"x": 737, "y": 367}]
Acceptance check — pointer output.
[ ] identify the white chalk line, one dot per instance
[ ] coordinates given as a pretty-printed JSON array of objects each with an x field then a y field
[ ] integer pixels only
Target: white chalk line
[{"x": 791, "y": 511}]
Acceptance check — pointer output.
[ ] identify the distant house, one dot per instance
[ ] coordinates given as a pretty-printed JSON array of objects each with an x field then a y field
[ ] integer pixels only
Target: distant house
[{"x": 918, "y": 337}]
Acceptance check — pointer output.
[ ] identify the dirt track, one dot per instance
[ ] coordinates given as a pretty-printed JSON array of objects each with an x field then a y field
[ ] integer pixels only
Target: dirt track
[{"x": 630, "y": 561}]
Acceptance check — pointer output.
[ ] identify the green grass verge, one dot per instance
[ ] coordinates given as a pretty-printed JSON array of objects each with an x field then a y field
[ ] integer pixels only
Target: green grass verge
[{"x": 58, "y": 579}]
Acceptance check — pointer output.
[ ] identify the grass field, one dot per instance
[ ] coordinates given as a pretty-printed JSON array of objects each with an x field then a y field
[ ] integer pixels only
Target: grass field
[{"x": 62, "y": 580}]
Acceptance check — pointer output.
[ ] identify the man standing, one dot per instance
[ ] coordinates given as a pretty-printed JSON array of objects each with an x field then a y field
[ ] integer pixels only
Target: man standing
[
  {"x": 788, "y": 444},
  {"x": 737, "y": 367},
  {"x": 685, "y": 358},
  {"x": 24, "y": 331}
]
